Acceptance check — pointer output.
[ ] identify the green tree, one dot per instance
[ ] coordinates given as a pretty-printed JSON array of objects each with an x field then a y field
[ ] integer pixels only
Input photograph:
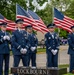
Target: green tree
[
  {"x": 8, "y": 9},
  {"x": 46, "y": 14},
  {"x": 70, "y": 11}
]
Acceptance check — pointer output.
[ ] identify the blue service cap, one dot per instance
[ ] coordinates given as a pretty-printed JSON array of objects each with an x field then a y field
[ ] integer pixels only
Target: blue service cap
[
  {"x": 19, "y": 21},
  {"x": 28, "y": 26},
  {"x": 72, "y": 27},
  {"x": 3, "y": 24},
  {"x": 51, "y": 25}
]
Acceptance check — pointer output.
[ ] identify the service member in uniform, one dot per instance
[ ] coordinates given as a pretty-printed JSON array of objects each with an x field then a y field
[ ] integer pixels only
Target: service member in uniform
[
  {"x": 4, "y": 49},
  {"x": 52, "y": 46},
  {"x": 71, "y": 49},
  {"x": 33, "y": 46},
  {"x": 20, "y": 44}
]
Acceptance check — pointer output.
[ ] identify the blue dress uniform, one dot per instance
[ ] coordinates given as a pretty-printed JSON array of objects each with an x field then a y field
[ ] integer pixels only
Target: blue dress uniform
[
  {"x": 33, "y": 41},
  {"x": 71, "y": 49},
  {"x": 51, "y": 42},
  {"x": 19, "y": 41},
  {"x": 32, "y": 54},
  {"x": 4, "y": 51}
]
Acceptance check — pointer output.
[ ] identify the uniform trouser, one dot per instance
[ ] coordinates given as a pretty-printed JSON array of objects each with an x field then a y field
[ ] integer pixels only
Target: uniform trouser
[
  {"x": 32, "y": 57},
  {"x": 71, "y": 63},
  {"x": 5, "y": 58},
  {"x": 52, "y": 60},
  {"x": 17, "y": 60}
]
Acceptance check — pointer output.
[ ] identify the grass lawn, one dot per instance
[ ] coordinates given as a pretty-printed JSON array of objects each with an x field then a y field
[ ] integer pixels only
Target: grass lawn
[
  {"x": 68, "y": 74},
  {"x": 41, "y": 50},
  {"x": 65, "y": 66}
]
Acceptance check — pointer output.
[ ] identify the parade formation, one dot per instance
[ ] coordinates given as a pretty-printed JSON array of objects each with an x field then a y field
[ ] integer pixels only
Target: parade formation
[
  {"x": 24, "y": 46},
  {"x": 23, "y": 42}
]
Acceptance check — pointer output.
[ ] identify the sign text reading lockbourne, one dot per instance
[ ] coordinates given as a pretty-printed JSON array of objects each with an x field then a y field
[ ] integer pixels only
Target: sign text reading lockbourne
[{"x": 33, "y": 71}]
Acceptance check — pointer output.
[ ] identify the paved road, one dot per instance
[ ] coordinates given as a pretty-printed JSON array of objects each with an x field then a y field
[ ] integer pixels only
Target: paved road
[{"x": 41, "y": 58}]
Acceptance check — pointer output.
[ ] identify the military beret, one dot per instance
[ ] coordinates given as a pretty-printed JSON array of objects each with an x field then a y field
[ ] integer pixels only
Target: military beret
[
  {"x": 50, "y": 25},
  {"x": 28, "y": 26},
  {"x": 3, "y": 24},
  {"x": 72, "y": 27},
  {"x": 19, "y": 21}
]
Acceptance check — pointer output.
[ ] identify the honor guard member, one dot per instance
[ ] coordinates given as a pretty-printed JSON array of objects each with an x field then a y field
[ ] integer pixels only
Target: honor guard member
[
  {"x": 20, "y": 44},
  {"x": 33, "y": 46},
  {"x": 52, "y": 46},
  {"x": 71, "y": 49},
  {"x": 4, "y": 49}
]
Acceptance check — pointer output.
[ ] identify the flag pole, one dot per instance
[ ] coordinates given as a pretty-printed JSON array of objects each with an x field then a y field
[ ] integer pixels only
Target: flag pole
[
  {"x": 52, "y": 14},
  {"x": 27, "y": 4},
  {"x": 59, "y": 47},
  {"x": 16, "y": 13},
  {"x": 16, "y": 10}
]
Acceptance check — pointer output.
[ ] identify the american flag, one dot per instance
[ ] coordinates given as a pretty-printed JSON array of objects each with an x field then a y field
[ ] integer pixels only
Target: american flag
[
  {"x": 38, "y": 20},
  {"x": 22, "y": 13},
  {"x": 10, "y": 24},
  {"x": 62, "y": 21}
]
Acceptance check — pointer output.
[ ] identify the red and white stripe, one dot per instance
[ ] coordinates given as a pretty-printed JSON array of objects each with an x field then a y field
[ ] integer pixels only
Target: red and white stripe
[
  {"x": 10, "y": 24},
  {"x": 65, "y": 24},
  {"x": 30, "y": 21},
  {"x": 42, "y": 25}
]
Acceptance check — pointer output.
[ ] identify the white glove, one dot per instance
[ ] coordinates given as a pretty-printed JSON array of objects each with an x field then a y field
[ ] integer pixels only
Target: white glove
[
  {"x": 5, "y": 37},
  {"x": 24, "y": 50},
  {"x": 33, "y": 48},
  {"x": 8, "y": 38},
  {"x": 21, "y": 50},
  {"x": 52, "y": 51},
  {"x": 55, "y": 52}
]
